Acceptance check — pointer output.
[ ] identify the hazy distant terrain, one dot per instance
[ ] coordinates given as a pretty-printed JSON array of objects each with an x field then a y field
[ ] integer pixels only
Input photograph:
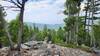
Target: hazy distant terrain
[{"x": 41, "y": 26}]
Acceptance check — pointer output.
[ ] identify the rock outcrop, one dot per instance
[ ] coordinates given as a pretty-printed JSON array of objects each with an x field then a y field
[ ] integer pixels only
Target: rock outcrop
[{"x": 40, "y": 49}]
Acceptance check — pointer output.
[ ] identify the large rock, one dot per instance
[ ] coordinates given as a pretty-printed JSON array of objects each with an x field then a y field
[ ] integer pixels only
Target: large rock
[
  {"x": 4, "y": 51},
  {"x": 23, "y": 46}
]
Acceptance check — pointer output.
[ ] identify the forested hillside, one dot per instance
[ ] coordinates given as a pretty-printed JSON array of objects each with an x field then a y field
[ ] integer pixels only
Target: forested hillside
[{"x": 41, "y": 25}]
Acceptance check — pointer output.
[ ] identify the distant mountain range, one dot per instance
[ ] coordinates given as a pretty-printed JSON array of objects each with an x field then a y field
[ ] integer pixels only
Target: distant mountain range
[{"x": 41, "y": 26}]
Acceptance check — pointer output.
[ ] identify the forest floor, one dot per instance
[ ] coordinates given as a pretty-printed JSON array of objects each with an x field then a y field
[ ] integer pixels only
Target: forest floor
[{"x": 38, "y": 49}]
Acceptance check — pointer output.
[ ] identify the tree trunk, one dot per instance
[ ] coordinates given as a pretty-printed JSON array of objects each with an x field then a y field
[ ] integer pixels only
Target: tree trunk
[
  {"x": 88, "y": 26},
  {"x": 67, "y": 35},
  {"x": 72, "y": 34},
  {"x": 0, "y": 45},
  {"x": 77, "y": 27},
  {"x": 8, "y": 35},
  {"x": 86, "y": 22},
  {"x": 92, "y": 32},
  {"x": 20, "y": 33}
]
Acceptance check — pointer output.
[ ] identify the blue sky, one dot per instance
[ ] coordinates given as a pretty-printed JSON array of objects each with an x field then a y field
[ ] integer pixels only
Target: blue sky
[{"x": 40, "y": 11}]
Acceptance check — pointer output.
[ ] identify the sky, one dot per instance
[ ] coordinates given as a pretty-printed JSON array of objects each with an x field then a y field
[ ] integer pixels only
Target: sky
[{"x": 39, "y": 11}]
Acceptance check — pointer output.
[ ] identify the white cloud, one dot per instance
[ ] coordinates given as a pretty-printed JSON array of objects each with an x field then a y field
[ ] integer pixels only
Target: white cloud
[
  {"x": 4, "y": 3},
  {"x": 45, "y": 11}
]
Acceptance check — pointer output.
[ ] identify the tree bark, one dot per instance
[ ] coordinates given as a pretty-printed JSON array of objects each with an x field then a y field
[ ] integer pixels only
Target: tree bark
[
  {"x": 86, "y": 21},
  {"x": 20, "y": 33},
  {"x": 77, "y": 27},
  {"x": 92, "y": 31},
  {"x": 88, "y": 26},
  {"x": 9, "y": 36}
]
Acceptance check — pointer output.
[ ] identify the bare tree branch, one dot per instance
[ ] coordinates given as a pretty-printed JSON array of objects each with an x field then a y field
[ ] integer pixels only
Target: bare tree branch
[
  {"x": 10, "y": 7},
  {"x": 11, "y": 1},
  {"x": 15, "y": 4},
  {"x": 19, "y": 2},
  {"x": 16, "y": 10}
]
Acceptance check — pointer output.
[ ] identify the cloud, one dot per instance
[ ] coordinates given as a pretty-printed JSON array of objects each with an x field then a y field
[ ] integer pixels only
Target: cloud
[
  {"x": 41, "y": 11},
  {"x": 4, "y": 3}
]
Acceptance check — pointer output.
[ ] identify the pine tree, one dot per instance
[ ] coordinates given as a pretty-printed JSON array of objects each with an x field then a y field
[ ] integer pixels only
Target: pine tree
[
  {"x": 71, "y": 22},
  {"x": 1, "y": 25}
]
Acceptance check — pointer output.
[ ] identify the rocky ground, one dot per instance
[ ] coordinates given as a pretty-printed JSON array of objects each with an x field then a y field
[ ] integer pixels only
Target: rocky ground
[{"x": 40, "y": 49}]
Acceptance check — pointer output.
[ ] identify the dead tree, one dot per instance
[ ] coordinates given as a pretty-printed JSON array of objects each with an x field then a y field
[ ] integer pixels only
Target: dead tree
[{"x": 18, "y": 4}]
